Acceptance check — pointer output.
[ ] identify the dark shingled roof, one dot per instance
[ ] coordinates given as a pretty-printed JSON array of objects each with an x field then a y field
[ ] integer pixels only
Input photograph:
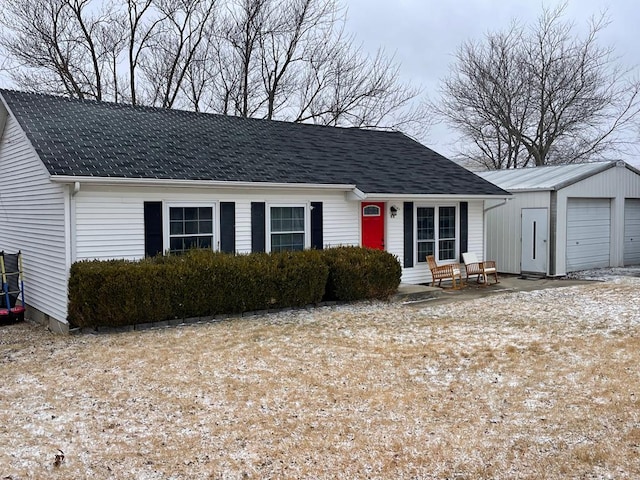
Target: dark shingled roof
[{"x": 99, "y": 139}]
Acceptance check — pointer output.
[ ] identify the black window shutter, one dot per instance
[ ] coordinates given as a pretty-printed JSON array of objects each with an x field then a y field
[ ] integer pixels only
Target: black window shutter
[
  {"x": 464, "y": 228},
  {"x": 317, "y": 240},
  {"x": 258, "y": 227},
  {"x": 228, "y": 227},
  {"x": 408, "y": 234},
  {"x": 152, "y": 228}
]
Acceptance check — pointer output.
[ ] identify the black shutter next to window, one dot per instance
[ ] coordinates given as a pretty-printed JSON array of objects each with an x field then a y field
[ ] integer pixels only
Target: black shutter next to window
[
  {"x": 228, "y": 227},
  {"x": 258, "y": 227},
  {"x": 408, "y": 234},
  {"x": 317, "y": 240},
  {"x": 464, "y": 228},
  {"x": 152, "y": 228}
]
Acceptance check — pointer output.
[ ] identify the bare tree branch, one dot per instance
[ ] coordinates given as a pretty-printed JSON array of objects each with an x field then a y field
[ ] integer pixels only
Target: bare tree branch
[
  {"x": 541, "y": 95},
  {"x": 280, "y": 59}
]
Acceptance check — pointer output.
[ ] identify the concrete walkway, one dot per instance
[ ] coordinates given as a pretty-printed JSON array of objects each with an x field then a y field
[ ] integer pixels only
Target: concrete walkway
[{"x": 419, "y": 295}]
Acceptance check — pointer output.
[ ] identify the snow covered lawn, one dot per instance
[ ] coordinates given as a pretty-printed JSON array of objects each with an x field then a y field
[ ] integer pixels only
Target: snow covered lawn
[{"x": 544, "y": 384}]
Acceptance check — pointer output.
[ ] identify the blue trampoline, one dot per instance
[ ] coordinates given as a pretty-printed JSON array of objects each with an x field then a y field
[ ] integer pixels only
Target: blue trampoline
[{"x": 12, "y": 304}]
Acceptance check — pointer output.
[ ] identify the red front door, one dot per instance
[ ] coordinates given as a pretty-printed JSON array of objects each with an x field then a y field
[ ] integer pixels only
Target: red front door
[{"x": 372, "y": 214}]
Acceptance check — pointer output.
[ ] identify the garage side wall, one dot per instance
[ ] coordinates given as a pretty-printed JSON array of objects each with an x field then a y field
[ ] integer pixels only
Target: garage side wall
[
  {"x": 504, "y": 228},
  {"x": 32, "y": 219}
]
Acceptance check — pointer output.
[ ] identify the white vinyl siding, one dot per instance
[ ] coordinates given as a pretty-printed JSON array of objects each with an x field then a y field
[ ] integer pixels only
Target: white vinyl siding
[
  {"x": 475, "y": 225},
  {"x": 108, "y": 225},
  {"x": 420, "y": 273},
  {"x": 110, "y": 220},
  {"x": 632, "y": 231},
  {"x": 32, "y": 219},
  {"x": 588, "y": 233}
]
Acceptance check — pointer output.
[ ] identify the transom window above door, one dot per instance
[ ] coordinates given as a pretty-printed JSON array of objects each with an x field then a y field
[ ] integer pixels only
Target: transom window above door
[
  {"x": 371, "y": 211},
  {"x": 190, "y": 227}
]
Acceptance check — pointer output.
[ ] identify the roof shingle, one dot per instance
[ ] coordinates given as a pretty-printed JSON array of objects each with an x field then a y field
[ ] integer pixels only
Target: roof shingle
[{"x": 99, "y": 139}]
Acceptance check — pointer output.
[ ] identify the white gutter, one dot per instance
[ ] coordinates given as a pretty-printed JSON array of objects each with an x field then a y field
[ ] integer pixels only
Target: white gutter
[
  {"x": 504, "y": 202},
  {"x": 426, "y": 196},
  {"x": 167, "y": 182},
  {"x": 352, "y": 191}
]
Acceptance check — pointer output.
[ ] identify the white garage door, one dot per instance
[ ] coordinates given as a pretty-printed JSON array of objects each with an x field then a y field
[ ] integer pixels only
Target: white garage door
[
  {"x": 588, "y": 233},
  {"x": 632, "y": 231}
]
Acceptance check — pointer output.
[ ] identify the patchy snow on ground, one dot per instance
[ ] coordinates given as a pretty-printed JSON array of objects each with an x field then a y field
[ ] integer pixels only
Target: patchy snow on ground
[
  {"x": 613, "y": 274},
  {"x": 540, "y": 384}
]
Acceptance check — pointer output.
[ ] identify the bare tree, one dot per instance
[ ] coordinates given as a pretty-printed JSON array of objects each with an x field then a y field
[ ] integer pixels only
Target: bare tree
[
  {"x": 355, "y": 89},
  {"x": 140, "y": 33},
  {"x": 280, "y": 59},
  {"x": 245, "y": 24},
  {"x": 542, "y": 95},
  {"x": 186, "y": 24},
  {"x": 63, "y": 46}
]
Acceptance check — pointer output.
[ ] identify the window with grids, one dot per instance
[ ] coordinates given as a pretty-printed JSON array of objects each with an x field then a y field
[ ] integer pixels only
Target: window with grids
[
  {"x": 190, "y": 227},
  {"x": 447, "y": 233},
  {"x": 426, "y": 233},
  {"x": 436, "y": 233},
  {"x": 287, "y": 228}
]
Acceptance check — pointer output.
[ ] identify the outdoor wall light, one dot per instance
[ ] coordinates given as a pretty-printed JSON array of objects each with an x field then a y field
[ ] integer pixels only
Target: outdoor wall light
[{"x": 394, "y": 211}]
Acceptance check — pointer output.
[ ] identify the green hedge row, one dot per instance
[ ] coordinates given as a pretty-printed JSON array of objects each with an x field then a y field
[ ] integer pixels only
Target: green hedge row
[{"x": 204, "y": 283}]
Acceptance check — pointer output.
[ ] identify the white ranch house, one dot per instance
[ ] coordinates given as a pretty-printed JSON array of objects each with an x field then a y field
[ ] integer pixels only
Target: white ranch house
[{"x": 91, "y": 180}]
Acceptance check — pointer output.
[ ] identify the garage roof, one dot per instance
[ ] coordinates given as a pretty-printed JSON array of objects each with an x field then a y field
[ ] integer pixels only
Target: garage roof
[{"x": 547, "y": 178}]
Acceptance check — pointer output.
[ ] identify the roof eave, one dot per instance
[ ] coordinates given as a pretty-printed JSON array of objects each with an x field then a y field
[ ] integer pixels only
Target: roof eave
[
  {"x": 168, "y": 182},
  {"x": 530, "y": 190},
  {"x": 437, "y": 196},
  {"x": 579, "y": 178}
]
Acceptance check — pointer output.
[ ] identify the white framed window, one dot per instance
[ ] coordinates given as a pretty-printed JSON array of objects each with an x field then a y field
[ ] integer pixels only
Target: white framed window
[
  {"x": 288, "y": 227},
  {"x": 189, "y": 226},
  {"x": 426, "y": 234},
  {"x": 437, "y": 232}
]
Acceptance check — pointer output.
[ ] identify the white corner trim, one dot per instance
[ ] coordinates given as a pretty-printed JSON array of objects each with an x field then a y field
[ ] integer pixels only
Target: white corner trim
[{"x": 356, "y": 195}]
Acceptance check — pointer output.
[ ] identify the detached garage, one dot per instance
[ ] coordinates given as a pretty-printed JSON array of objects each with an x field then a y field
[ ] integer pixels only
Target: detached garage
[{"x": 565, "y": 218}]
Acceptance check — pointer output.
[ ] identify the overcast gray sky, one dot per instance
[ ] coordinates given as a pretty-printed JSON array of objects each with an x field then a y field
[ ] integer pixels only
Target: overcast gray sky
[{"x": 424, "y": 34}]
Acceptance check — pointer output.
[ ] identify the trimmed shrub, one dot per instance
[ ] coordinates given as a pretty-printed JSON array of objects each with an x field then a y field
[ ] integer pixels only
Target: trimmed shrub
[
  {"x": 199, "y": 283},
  {"x": 357, "y": 273},
  {"x": 99, "y": 293},
  {"x": 205, "y": 283}
]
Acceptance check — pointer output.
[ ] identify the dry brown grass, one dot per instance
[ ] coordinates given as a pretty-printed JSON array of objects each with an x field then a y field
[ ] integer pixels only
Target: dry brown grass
[{"x": 542, "y": 385}]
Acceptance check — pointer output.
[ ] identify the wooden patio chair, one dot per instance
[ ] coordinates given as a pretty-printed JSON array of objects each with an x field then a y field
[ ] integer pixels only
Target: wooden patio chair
[
  {"x": 451, "y": 272},
  {"x": 481, "y": 270}
]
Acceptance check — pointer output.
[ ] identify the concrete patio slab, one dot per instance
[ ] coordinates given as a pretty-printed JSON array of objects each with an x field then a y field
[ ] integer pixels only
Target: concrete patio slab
[{"x": 420, "y": 294}]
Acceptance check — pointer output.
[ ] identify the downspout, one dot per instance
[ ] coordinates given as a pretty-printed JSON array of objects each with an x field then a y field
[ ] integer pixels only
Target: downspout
[
  {"x": 72, "y": 222},
  {"x": 504, "y": 202}
]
